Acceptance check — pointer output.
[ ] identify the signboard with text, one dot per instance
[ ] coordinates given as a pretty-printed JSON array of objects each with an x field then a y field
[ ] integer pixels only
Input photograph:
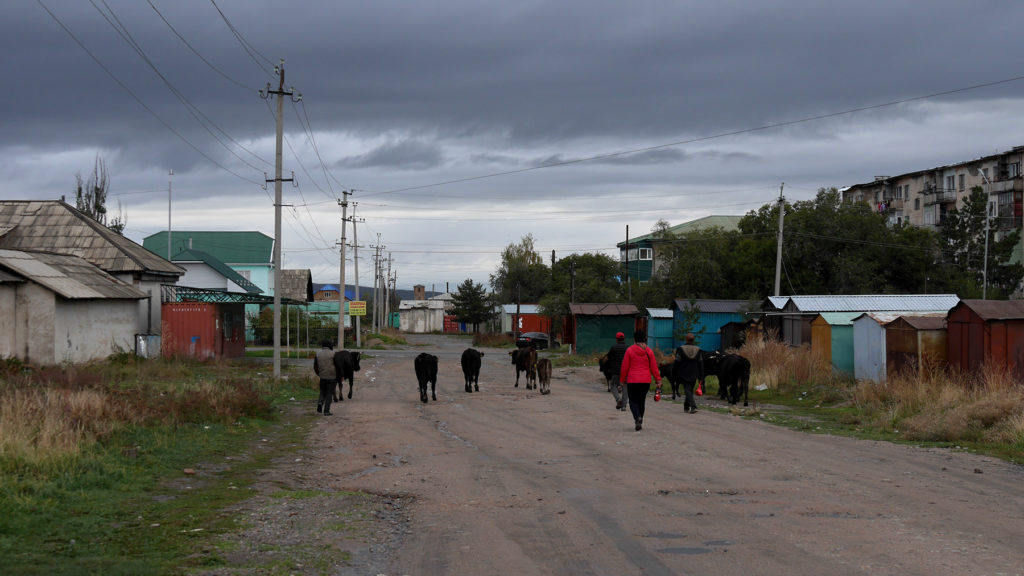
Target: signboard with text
[{"x": 357, "y": 308}]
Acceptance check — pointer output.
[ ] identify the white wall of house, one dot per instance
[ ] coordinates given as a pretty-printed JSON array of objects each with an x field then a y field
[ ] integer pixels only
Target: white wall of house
[
  {"x": 8, "y": 325},
  {"x": 148, "y": 319},
  {"x": 421, "y": 320},
  {"x": 92, "y": 329},
  {"x": 200, "y": 275}
]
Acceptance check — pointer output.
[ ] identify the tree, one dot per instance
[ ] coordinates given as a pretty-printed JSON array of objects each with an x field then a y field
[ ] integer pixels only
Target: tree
[
  {"x": 963, "y": 240},
  {"x": 522, "y": 275},
  {"x": 91, "y": 197},
  {"x": 471, "y": 304}
]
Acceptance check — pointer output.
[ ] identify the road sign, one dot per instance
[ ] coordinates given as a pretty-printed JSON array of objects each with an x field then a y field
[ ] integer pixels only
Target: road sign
[{"x": 357, "y": 308}]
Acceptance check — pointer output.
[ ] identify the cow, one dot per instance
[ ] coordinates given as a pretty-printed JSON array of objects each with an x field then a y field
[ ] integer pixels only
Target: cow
[
  {"x": 733, "y": 373},
  {"x": 602, "y": 365},
  {"x": 525, "y": 360},
  {"x": 668, "y": 372},
  {"x": 426, "y": 371},
  {"x": 544, "y": 375},
  {"x": 471, "y": 368},
  {"x": 346, "y": 364}
]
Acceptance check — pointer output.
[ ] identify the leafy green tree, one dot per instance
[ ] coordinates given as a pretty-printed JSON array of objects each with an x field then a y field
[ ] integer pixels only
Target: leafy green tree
[
  {"x": 522, "y": 275},
  {"x": 471, "y": 304},
  {"x": 963, "y": 241}
]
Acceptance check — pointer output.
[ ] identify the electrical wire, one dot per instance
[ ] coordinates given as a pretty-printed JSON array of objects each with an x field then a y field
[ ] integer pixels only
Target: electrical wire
[
  {"x": 196, "y": 52},
  {"x": 246, "y": 46}
]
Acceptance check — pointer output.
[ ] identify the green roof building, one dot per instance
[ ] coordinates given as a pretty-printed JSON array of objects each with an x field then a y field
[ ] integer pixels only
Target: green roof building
[
  {"x": 250, "y": 254},
  {"x": 639, "y": 256}
]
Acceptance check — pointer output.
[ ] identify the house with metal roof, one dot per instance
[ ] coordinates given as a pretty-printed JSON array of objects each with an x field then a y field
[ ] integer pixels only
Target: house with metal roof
[
  {"x": 592, "y": 327},
  {"x": 56, "y": 227},
  {"x": 249, "y": 253},
  {"x": 204, "y": 270},
  {"x": 660, "y": 322},
  {"x": 981, "y": 332},
  {"x": 711, "y": 316},
  {"x": 799, "y": 311},
  {"x": 515, "y": 319},
  {"x": 641, "y": 257},
  {"x": 61, "y": 308}
]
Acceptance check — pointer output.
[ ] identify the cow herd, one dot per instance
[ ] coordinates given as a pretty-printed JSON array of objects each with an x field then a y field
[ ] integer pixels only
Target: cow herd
[{"x": 732, "y": 370}]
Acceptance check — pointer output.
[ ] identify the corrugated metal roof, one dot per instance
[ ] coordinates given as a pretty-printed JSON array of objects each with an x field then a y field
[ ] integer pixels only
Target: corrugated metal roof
[
  {"x": 221, "y": 268},
  {"x": 997, "y": 309},
  {"x": 779, "y": 302},
  {"x": 874, "y": 303},
  {"x": 725, "y": 222},
  {"x": 926, "y": 322},
  {"x": 523, "y": 308},
  {"x": 421, "y": 304},
  {"x": 604, "y": 309},
  {"x": 839, "y": 318},
  {"x": 56, "y": 227},
  {"x": 887, "y": 317},
  {"x": 660, "y": 313},
  {"x": 230, "y": 247},
  {"x": 68, "y": 276},
  {"x": 714, "y": 306}
]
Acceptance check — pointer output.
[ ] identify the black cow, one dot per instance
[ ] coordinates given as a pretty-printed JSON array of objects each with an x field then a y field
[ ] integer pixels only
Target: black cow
[
  {"x": 733, "y": 373},
  {"x": 525, "y": 360},
  {"x": 426, "y": 371},
  {"x": 544, "y": 375},
  {"x": 602, "y": 365},
  {"x": 346, "y": 364},
  {"x": 668, "y": 372},
  {"x": 471, "y": 368}
]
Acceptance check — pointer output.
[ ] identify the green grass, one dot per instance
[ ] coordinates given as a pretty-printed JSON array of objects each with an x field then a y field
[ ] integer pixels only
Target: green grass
[{"x": 125, "y": 506}]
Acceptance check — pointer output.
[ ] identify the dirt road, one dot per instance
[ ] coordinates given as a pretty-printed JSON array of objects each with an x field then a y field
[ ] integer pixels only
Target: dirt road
[{"x": 506, "y": 481}]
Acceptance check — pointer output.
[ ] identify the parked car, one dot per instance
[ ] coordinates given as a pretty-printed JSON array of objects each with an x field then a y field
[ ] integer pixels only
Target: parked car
[{"x": 536, "y": 339}]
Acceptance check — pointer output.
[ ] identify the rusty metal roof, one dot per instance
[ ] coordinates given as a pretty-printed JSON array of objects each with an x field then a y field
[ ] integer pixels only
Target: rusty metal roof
[
  {"x": 56, "y": 227},
  {"x": 604, "y": 310},
  {"x": 997, "y": 309},
  {"x": 68, "y": 276},
  {"x": 708, "y": 306},
  {"x": 926, "y": 321}
]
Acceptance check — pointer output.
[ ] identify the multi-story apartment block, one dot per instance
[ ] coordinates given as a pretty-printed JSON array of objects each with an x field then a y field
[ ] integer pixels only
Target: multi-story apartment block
[{"x": 924, "y": 198}]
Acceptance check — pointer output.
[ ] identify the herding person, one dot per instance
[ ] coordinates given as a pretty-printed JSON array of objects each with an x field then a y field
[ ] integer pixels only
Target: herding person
[{"x": 323, "y": 365}]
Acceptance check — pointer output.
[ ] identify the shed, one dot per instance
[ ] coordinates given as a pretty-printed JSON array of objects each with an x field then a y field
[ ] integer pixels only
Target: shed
[
  {"x": 203, "y": 330},
  {"x": 801, "y": 310},
  {"x": 421, "y": 316},
  {"x": 915, "y": 341},
  {"x": 659, "y": 330},
  {"x": 983, "y": 331},
  {"x": 713, "y": 314},
  {"x": 60, "y": 308},
  {"x": 592, "y": 327},
  {"x": 771, "y": 316},
  {"x": 832, "y": 339},
  {"x": 529, "y": 319},
  {"x": 869, "y": 345}
]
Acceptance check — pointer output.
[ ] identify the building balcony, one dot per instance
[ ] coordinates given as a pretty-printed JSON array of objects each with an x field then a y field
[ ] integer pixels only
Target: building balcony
[{"x": 940, "y": 196}]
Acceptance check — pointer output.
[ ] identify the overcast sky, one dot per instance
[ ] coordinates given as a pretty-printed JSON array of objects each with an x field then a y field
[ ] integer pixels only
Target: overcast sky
[{"x": 463, "y": 126}]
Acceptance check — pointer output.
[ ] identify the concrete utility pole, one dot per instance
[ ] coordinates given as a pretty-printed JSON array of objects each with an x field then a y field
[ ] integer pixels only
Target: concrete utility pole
[
  {"x": 988, "y": 213},
  {"x": 341, "y": 290},
  {"x": 169, "y": 176},
  {"x": 280, "y": 93},
  {"x": 355, "y": 264},
  {"x": 778, "y": 249},
  {"x": 629, "y": 287}
]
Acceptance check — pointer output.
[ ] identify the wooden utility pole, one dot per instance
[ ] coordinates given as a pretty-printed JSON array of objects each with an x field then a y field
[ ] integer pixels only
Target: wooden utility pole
[
  {"x": 341, "y": 288},
  {"x": 280, "y": 93}
]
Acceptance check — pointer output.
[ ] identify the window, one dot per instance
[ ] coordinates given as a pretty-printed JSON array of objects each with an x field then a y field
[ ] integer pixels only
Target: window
[
  {"x": 984, "y": 171},
  {"x": 929, "y": 217},
  {"x": 1013, "y": 170},
  {"x": 245, "y": 274},
  {"x": 962, "y": 182},
  {"x": 950, "y": 183},
  {"x": 646, "y": 253},
  {"x": 917, "y": 203}
]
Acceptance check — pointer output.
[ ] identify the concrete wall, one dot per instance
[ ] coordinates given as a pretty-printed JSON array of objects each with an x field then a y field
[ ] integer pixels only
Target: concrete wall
[
  {"x": 92, "y": 329},
  {"x": 8, "y": 298}
]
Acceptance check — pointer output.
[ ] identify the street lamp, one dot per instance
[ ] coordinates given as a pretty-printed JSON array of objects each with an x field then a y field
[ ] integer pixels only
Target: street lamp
[{"x": 988, "y": 213}]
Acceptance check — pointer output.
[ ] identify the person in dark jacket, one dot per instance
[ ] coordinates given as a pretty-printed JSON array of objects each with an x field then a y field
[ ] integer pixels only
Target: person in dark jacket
[
  {"x": 323, "y": 365},
  {"x": 688, "y": 369},
  {"x": 615, "y": 355}
]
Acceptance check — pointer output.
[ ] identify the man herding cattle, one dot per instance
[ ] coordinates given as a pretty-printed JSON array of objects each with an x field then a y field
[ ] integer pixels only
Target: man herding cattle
[
  {"x": 687, "y": 369},
  {"x": 323, "y": 365},
  {"x": 611, "y": 371}
]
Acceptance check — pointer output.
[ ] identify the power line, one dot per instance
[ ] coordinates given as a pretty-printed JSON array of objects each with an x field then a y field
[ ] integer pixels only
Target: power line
[
  {"x": 246, "y": 46},
  {"x": 196, "y": 52}
]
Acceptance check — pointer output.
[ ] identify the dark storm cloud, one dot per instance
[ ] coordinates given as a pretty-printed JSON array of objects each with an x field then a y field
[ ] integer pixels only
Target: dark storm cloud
[{"x": 403, "y": 155}]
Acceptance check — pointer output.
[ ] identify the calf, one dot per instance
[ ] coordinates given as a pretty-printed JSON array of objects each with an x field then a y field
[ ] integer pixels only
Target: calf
[
  {"x": 525, "y": 360},
  {"x": 733, "y": 373},
  {"x": 471, "y": 368},
  {"x": 346, "y": 364},
  {"x": 426, "y": 371},
  {"x": 544, "y": 375}
]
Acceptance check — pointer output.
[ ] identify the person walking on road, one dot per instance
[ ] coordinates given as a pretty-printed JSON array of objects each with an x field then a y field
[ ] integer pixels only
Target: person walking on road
[
  {"x": 323, "y": 365},
  {"x": 639, "y": 366},
  {"x": 615, "y": 355},
  {"x": 688, "y": 368}
]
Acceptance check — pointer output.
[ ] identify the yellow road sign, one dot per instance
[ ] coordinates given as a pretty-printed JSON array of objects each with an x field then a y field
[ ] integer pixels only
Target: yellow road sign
[{"x": 357, "y": 308}]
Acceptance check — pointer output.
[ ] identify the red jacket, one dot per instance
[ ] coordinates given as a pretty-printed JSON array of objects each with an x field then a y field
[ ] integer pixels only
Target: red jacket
[{"x": 639, "y": 366}]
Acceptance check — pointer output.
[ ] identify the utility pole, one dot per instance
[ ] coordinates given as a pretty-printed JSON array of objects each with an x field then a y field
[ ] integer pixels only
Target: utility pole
[
  {"x": 169, "y": 176},
  {"x": 280, "y": 93},
  {"x": 629, "y": 287},
  {"x": 988, "y": 213},
  {"x": 355, "y": 264},
  {"x": 778, "y": 249},
  {"x": 341, "y": 289}
]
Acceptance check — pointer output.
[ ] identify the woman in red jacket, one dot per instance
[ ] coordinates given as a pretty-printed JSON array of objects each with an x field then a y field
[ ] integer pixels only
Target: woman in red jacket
[{"x": 639, "y": 366}]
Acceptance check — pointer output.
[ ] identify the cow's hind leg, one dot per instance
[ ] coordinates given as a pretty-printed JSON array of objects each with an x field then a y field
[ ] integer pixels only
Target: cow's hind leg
[
  {"x": 423, "y": 393},
  {"x": 350, "y": 384},
  {"x": 433, "y": 390}
]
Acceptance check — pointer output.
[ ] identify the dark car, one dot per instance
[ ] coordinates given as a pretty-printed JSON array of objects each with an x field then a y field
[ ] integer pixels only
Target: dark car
[{"x": 536, "y": 339}]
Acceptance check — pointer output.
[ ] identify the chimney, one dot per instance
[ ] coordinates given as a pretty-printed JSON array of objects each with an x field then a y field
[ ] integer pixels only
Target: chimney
[{"x": 419, "y": 292}]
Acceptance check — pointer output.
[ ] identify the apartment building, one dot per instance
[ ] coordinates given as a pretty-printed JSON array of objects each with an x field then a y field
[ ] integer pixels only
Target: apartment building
[{"x": 925, "y": 197}]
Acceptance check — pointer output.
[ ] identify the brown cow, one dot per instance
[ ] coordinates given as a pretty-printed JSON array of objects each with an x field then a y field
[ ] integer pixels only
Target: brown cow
[
  {"x": 525, "y": 360},
  {"x": 544, "y": 375}
]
